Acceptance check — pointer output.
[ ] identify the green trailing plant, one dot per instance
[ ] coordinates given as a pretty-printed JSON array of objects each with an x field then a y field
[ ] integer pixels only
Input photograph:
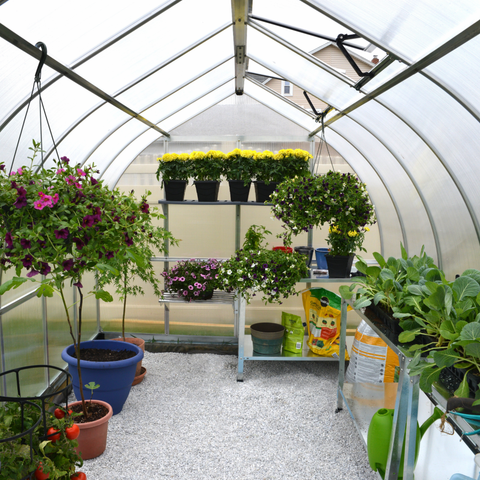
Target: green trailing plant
[
  {"x": 61, "y": 223},
  {"x": 174, "y": 166},
  {"x": 55, "y": 454},
  {"x": 256, "y": 269},
  {"x": 337, "y": 199}
]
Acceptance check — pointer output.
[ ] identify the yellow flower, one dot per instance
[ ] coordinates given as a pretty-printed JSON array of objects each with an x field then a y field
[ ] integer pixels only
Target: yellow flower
[
  {"x": 184, "y": 157},
  {"x": 169, "y": 157},
  {"x": 367, "y": 229},
  {"x": 197, "y": 155},
  {"x": 248, "y": 153},
  {"x": 352, "y": 233},
  {"x": 234, "y": 153}
]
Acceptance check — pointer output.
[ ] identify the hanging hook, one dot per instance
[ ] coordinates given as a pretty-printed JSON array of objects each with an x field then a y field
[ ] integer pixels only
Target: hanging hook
[{"x": 38, "y": 73}]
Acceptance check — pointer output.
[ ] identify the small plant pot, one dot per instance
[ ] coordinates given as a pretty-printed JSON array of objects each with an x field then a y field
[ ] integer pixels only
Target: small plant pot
[
  {"x": 175, "y": 190},
  {"x": 140, "y": 343},
  {"x": 238, "y": 190},
  {"x": 267, "y": 338},
  {"x": 207, "y": 191},
  {"x": 308, "y": 252},
  {"x": 263, "y": 191},
  {"x": 320, "y": 257},
  {"x": 92, "y": 440},
  {"x": 284, "y": 249},
  {"x": 139, "y": 378},
  {"x": 339, "y": 266}
]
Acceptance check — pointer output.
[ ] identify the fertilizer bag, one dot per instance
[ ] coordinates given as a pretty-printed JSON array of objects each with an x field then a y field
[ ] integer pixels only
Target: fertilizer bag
[
  {"x": 323, "y": 313},
  {"x": 294, "y": 332}
]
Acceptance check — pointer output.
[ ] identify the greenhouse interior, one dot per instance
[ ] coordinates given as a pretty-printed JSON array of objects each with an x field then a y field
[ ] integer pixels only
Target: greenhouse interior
[{"x": 272, "y": 206}]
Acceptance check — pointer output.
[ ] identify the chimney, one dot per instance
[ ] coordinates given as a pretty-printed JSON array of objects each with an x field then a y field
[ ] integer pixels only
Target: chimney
[{"x": 375, "y": 59}]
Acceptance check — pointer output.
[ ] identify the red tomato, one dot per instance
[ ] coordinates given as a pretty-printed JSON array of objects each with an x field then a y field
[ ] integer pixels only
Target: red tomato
[
  {"x": 78, "y": 476},
  {"x": 51, "y": 431},
  {"x": 59, "y": 413},
  {"x": 39, "y": 475},
  {"x": 72, "y": 432}
]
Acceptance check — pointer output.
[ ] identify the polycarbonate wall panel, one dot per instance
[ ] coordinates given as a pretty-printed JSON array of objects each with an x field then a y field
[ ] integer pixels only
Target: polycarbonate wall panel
[
  {"x": 23, "y": 343},
  {"x": 411, "y": 211},
  {"x": 455, "y": 138},
  {"x": 158, "y": 40},
  {"x": 89, "y": 23},
  {"x": 460, "y": 71},
  {"x": 432, "y": 179},
  {"x": 288, "y": 64},
  {"x": 185, "y": 69},
  {"x": 389, "y": 227},
  {"x": 406, "y": 27}
]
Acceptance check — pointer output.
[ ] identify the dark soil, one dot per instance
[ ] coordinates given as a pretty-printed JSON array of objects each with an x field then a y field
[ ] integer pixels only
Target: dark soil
[
  {"x": 95, "y": 412},
  {"x": 104, "y": 354}
]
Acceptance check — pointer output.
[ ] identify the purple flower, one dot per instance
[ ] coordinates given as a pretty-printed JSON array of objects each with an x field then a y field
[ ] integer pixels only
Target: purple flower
[
  {"x": 25, "y": 243},
  {"x": 185, "y": 293},
  {"x": 2, "y": 167},
  {"x": 45, "y": 268},
  {"x": 9, "y": 240},
  {"x": 88, "y": 221},
  {"x": 144, "y": 207},
  {"x": 78, "y": 285},
  {"x": 109, "y": 254},
  {"x": 65, "y": 160},
  {"x": 93, "y": 181},
  {"x": 32, "y": 273},
  {"x": 67, "y": 264},
  {"x": 190, "y": 287},
  {"x": 79, "y": 243},
  {"x": 80, "y": 172},
  {"x": 181, "y": 279},
  {"x": 62, "y": 233},
  {"x": 128, "y": 240},
  {"x": 27, "y": 261}
]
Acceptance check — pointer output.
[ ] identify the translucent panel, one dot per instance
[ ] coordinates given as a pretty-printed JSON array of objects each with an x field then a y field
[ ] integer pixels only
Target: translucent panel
[
  {"x": 455, "y": 138},
  {"x": 177, "y": 74},
  {"x": 154, "y": 43},
  {"x": 23, "y": 345},
  {"x": 290, "y": 65},
  {"x": 280, "y": 106},
  {"x": 460, "y": 70},
  {"x": 410, "y": 209},
  {"x": 68, "y": 40},
  {"x": 408, "y": 28}
]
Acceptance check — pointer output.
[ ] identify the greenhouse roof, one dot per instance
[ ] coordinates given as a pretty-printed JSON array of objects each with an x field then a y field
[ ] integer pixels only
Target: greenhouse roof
[{"x": 120, "y": 75}]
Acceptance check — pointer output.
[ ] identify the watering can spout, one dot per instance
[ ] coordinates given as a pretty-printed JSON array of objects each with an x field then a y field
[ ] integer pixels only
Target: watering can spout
[{"x": 436, "y": 415}]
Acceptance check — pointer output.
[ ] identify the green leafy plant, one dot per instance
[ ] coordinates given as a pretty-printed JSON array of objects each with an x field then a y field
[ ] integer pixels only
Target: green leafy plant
[
  {"x": 174, "y": 166},
  {"x": 255, "y": 269},
  {"x": 207, "y": 166},
  {"x": 61, "y": 223},
  {"x": 337, "y": 199},
  {"x": 287, "y": 163},
  {"x": 91, "y": 386},
  {"x": 55, "y": 455},
  {"x": 192, "y": 279},
  {"x": 239, "y": 165}
]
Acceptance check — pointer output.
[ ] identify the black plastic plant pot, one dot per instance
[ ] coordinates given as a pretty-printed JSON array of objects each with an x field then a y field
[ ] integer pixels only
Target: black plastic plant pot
[
  {"x": 175, "y": 190},
  {"x": 263, "y": 191},
  {"x": 308, "y": 252},
  {"x": 207, "y": 191},
  {"x": 238, "y": 190}
]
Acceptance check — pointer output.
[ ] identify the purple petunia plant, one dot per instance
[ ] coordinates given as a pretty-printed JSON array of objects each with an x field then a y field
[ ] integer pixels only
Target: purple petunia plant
[
  {"x": 193, "y": 279},
  {"x": 59, "y": 223}
]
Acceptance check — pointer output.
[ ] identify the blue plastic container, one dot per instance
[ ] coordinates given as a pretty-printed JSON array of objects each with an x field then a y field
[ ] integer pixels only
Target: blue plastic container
[
  {"x": 115, "y": 378},
  {"x": 321, "y": 260}
]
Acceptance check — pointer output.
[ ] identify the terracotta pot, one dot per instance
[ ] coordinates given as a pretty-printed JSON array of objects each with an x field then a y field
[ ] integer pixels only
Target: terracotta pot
[
  {"x": 140, "y": 377},
  {"x": 139, "y": 342},
  {"x": 92, "y": 440}
]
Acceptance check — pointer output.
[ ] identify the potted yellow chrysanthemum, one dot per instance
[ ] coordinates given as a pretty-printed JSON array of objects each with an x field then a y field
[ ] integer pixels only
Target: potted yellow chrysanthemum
[
  {"x": 239, "y": 171},
  {"x": 207, "y": 170},
  {"x": 175, "y": 170}
]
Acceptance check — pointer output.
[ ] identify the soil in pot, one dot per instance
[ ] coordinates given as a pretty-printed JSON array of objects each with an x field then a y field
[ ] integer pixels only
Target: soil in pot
[
  {"x": 103, "y": 355},
  {"x": 96, "y": 412}
]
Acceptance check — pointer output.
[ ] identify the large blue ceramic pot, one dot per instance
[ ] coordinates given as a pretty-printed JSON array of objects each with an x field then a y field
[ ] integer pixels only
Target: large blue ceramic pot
[{"x": 115, "y": 378}]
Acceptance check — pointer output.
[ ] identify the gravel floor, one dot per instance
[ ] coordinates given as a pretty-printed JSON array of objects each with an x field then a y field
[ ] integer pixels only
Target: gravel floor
[{"x": 191, "y": 419}]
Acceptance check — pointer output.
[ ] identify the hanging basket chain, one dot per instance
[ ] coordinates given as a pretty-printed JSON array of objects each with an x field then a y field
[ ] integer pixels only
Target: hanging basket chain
[{"x": 38, "y": 83}]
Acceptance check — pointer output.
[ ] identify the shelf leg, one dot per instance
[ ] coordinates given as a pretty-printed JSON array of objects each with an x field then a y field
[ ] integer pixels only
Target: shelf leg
[
  {"x": 241, "y": 338},
  {"x": 403, "y": 417},
  {"x": 341, "y": 361}
]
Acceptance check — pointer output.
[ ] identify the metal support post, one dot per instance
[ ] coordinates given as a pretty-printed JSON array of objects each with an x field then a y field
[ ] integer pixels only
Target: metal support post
[
  {"x": 241, "y": 338},
  {"x": 341, "y": 361}
]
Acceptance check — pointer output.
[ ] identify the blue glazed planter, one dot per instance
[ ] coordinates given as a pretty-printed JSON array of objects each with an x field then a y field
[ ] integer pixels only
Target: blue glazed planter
[{"x": 115, "y": 378}]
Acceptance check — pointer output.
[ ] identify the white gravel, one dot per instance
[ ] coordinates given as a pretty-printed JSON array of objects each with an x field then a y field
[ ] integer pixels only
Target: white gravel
[{"x": 191, "y": 419}]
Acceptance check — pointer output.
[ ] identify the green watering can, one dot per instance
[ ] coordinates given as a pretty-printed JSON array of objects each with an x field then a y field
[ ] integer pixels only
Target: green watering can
[{"x": 378, "y": 439}]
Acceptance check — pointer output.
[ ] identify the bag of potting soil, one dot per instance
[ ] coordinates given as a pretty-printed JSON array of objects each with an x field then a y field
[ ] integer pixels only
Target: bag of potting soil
[
  {"x": 371, "y": 360},
  {"x": 323, "y": 313},
  {"x": 294, "y": 332}
]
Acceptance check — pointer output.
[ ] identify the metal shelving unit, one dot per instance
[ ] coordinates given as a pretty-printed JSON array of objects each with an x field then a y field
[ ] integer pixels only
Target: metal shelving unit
[{"x": 362, "y": 405}]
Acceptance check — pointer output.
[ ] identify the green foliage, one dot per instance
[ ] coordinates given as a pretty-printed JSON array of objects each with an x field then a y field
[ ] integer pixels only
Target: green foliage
[
  {"x": 239, "y": 165},
  {"x": 207, "y": 166},
  {"x": 254, "y": 269},
  {"x": 340, "y": 200},
  {"x": 173, "y": 166},
  {"x": 58, "y": 458}
]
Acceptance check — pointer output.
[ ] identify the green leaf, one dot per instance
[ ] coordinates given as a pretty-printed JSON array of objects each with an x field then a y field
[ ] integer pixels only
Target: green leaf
[
  {"x": 361, "y": 303},
  {"x": 473, "y": 349},
  {"x": 408, "y": 336},
  {"x": 137, "y": 258},
  {"x": 92, "y": 386},
  {"x": 361, "y": 265},
  {"x": 379, "y": 296},
  {"x": 428, "y": 376},
  {"x": 445, "y": 358},
  {"x": 103, "y": 295},
  {"x": 470, "y": 331},
  {"x": 415, "y": 290},
  {"x": 15, "y": 282},
  {"x": 404, "y": 252},
  {"x": 447, "y": 330},
  {"x": 412, "y": 274},
  {"x": 380, "y": 260},
  {"x": 465, "y": 287},
  {"x": 45, "y": 290},
  {"x": 472, "y": 273},
  {"x": 373, "y": 272},
  {"x": 345, "y": 292},
  {"x": 105, "y": 266},
  {"x": 463, "y": 390},
  {"x": 387, "y": 274},
  {"x": 414, "y": 301}
]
